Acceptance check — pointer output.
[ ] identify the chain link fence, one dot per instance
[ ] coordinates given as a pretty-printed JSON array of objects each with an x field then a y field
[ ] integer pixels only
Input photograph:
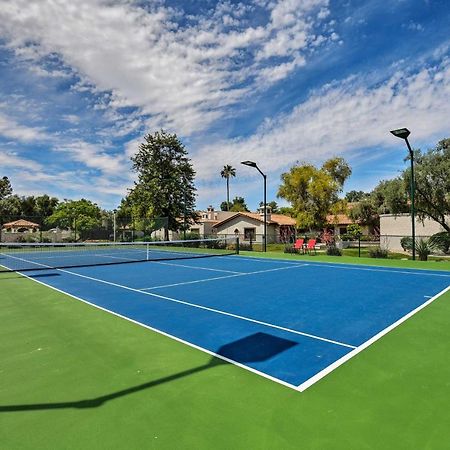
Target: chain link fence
[{"x": 81, "y": 229}]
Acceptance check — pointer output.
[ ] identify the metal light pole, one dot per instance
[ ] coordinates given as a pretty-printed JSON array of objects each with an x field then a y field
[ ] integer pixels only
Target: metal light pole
[
  {"x": 253, "y": 164},
  {"x": 114, "y": 224},
  {"x": 184, "y": 207},
  {"x": 403, "y": 133}
]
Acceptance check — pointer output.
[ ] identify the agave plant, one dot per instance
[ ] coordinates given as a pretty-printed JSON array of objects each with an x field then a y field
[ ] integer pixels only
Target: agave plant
[{"x": 424, "y": 248}]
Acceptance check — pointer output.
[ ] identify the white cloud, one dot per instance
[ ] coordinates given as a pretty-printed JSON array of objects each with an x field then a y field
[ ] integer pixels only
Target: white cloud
[
  {"x": 183, "y": 77},
  {"x": 340, "y": 119},
  {"x": 12, "y": 160},
  {"x": 94, "y": 156},
  {"x": 11, "y": 129}
]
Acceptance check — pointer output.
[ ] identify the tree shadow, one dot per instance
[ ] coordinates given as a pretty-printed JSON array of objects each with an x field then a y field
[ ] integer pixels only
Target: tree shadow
[{"x": 257, "y": 347}]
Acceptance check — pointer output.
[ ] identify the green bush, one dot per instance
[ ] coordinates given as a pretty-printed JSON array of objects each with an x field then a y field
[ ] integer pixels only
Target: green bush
[
  {"x": 378, "y": 252},
  {"x": 245, "y": 246},
  {"x": 354, "y": 231},
  {"x": 369, "y": 237},
  {"x": 406, "y": 243},
  {"x": 290, "y": 249},
  {"x": 332, "y": 250},
  {"x": 441, "y": 241}
]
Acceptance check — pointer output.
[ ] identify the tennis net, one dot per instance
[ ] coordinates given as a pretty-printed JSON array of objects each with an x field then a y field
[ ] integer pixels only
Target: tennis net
[{"x": 22, "y": 257}]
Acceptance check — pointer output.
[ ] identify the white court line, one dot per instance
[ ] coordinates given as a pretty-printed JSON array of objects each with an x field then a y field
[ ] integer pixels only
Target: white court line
[
  {"x": 163, "y": 333},
  {"x": 195, "y": 267},
  {"x": 203, "y": 280},
  {"x": 303, "y": 386},
  {"x": 318, "y": 376},
  {"x": 206, "y": 308},
  {"x": 350, "y": 267}
]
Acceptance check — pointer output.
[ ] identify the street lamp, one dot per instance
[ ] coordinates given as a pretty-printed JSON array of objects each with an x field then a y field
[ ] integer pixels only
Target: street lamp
[
  {"x": 253, "y": 164},
  {"x": 184, "y": 206},
  {"x": 403, "y": 133},
  {"x": 114, "y": 224}
]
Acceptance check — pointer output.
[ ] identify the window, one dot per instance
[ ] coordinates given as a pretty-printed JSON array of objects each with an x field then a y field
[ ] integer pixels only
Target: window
[
  {"x": 249, "y": 234},
  {"x": 195, "y": 230},
  {"x": 342, "y": 230}
]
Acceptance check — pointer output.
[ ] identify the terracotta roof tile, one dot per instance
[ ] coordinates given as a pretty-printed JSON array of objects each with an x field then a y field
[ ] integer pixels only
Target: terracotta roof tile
[{"x": 21, "y": 223}]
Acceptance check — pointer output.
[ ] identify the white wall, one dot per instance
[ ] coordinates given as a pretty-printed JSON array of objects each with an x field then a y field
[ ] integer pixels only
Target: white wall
[{"x": 393, "y": 228}]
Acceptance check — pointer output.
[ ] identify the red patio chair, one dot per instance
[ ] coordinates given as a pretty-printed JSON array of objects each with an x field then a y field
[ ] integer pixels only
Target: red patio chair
[
  {"x": 298, "y": 246},
  {"x": 311, "y": 245}
]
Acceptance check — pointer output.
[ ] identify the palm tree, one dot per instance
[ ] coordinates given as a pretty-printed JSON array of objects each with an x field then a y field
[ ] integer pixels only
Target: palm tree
[{"x": 227, "y": 172}]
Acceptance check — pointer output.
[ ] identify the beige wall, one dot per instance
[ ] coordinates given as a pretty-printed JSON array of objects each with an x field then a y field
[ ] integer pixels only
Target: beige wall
[{"x": 393, "y": 228}]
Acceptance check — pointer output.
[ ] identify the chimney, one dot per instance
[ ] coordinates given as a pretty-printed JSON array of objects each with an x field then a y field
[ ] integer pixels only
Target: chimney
[
  {"x": 210, "y": 212},
  {"x": 261, "y": 212}
]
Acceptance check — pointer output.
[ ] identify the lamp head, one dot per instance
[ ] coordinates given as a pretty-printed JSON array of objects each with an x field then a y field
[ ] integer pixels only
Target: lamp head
[
  {"x": 249, "y": 163},
  {"x": 401, "y": 133}
]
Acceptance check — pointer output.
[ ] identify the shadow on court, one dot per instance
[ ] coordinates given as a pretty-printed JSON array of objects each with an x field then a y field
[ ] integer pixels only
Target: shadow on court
[
  {"x": 20, "y": 277},
  {"x": 257, "y": 347}
]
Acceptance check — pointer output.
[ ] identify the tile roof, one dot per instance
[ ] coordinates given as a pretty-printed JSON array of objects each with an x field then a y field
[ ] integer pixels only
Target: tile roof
[
  {"x": 21, "y": 223},
  {"x": 339, "y": 219},
  {"x": 277, "y": 219}
]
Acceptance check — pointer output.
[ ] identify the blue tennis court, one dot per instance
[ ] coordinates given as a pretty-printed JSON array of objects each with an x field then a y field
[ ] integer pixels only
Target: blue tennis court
[{"x": 290, "y": 321}]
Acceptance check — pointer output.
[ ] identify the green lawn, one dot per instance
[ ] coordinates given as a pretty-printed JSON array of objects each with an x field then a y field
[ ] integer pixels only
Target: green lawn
[{"x": 74, "y": 377}]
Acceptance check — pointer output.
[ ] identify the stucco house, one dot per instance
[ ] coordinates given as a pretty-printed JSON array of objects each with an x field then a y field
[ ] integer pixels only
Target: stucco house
[
  {"x": 250, "y": 226},
  {"x": 245, "y": 225}
]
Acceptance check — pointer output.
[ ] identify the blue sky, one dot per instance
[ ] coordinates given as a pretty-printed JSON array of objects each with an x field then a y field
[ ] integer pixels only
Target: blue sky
[{"x": 274, "y": 81}]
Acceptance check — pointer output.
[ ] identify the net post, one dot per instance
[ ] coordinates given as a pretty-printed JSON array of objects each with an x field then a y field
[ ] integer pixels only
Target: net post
[
  {"x": 148, "y": 251},
  {"x": 237, "y": 245}
]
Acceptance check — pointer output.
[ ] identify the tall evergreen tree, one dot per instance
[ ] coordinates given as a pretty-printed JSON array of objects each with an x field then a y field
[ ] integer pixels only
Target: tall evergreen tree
[
  {"x": 165, "y": 186},
  {"x": 5, "y": 187},
  {"x": 227, "y": 172}
]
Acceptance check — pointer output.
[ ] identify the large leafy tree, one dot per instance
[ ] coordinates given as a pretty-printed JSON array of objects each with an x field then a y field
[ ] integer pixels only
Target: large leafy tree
[
  {"x": 273, "y": 206},
  {"x": 314, "y": 192},
  {"x": 81, "y": 216},
  {"x": 227, "y": 172},
  {"x": 432, "y": 183},
  {"x": 355, "y": 196},
  {"x": 165, "y": 186},
  {"x": 36, "y": 209},
  {"x": 388, "y": 197},
  {"x": 45, "y": 205},
  {"x": 237, "y": 205}
]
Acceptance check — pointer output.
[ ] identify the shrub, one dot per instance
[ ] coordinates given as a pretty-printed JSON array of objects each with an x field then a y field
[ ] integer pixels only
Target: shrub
[
  {"x": 354, "y": 231},
  {"x": 378, "y": 252},
  {"x": 191, "y": 237},
  {"x": 332, "y": 250},
  {"x": 369, "y": 237},
  {"x": 406, "y": 243},
  {"x": 245, "y": 246},
  {"x": 441, "y": 241},
  {"x": 423, "y": 248},
  {"x": 289, "y": 249}
]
